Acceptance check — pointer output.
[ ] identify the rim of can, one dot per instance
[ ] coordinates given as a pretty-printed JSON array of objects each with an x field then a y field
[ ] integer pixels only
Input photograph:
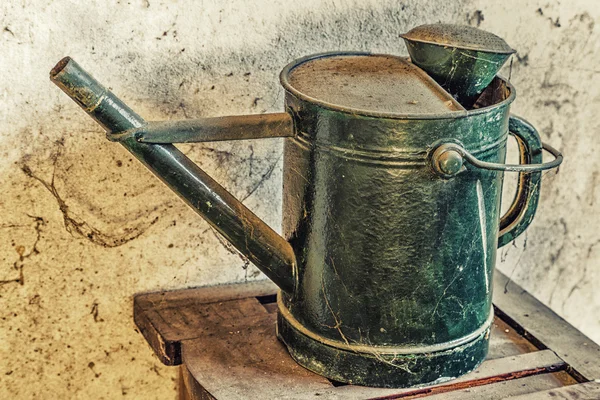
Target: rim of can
[{"x": 285, "y": 82}]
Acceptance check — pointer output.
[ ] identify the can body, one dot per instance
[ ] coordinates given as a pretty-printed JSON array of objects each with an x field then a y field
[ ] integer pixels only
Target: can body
[{"x": 394, "y": 263}]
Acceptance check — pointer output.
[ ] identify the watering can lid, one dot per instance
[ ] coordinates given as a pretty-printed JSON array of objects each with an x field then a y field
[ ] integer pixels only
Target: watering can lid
[
  {"x": 460, "y": 37},
  {"x": 368, "y": 84}
]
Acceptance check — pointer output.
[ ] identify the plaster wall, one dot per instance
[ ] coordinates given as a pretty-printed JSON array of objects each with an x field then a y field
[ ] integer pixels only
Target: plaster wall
[{"x": 83, "y": 226}]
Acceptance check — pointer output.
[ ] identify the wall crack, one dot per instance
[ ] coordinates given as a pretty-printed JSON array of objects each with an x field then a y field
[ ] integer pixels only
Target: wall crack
[{"x": 77, "y": 227}]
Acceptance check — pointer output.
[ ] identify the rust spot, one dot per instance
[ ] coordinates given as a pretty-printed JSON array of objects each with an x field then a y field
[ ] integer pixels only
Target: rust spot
[{"x": 59, "y": 67}]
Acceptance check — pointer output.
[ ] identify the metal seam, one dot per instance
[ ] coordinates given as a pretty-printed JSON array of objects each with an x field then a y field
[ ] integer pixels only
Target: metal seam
[
  {"x": 416, "y": 157},
  {"x": 101, "y": 98}
]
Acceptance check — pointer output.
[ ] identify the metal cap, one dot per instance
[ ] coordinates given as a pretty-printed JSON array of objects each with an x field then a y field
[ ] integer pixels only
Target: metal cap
[{"x": 460, "y": 37}]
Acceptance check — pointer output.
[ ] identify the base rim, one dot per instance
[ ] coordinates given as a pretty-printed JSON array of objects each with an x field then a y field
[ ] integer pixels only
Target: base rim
[{"x": 380, "y": 369}]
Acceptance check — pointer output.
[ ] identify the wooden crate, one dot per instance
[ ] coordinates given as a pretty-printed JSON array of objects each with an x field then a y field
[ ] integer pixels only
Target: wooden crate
[{"x": 223, "y": 338}]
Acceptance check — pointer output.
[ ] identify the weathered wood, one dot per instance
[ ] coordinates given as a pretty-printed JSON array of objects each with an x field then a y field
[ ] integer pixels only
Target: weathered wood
[
  {"x": 225, "y": 336},
  {"x": 545, "y": 328},
  {"x": 500, "y": 390},
  {"x": 167, "y": 318},
  {"x": 191, "y": 388},
  {"x": 247, "y": 363},
  {"x": 584, "y": 391},
  {"x": 505, "y": 341},
  {"x": 207, "y": 294},
  {"x": 492, "y": 371},
  {"x": 251, "y": 363},
  {"x": 494, "y": 391}
]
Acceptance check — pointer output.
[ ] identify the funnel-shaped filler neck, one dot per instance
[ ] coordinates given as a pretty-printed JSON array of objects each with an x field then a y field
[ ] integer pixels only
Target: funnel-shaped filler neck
[
  {"x": 459, "y": 37},
  {"x": 462, "y": 59}
]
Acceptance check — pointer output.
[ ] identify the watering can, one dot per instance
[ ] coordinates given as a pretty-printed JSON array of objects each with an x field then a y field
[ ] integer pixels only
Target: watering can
[{"x": 391, "y": 209}]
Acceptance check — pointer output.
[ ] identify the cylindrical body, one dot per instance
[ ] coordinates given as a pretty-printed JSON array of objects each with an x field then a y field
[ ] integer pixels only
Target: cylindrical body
[{"x": 395, "y": 263}]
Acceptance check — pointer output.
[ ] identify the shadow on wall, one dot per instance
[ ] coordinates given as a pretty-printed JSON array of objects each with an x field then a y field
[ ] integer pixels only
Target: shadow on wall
[{"x": 197, "y": 83}]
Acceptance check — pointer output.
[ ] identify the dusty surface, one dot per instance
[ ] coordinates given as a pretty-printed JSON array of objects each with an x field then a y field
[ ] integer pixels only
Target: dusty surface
[
  {"x": 83, "y": 226},
  {"x": 380, "y": 84}
]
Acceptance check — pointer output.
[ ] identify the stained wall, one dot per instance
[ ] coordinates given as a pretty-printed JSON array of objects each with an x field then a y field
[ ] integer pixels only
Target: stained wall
[{"x": 83, "y": 227}]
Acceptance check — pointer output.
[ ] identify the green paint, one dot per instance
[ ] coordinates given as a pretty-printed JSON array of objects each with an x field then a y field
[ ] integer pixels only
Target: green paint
[{"x": 463, "y": 73}]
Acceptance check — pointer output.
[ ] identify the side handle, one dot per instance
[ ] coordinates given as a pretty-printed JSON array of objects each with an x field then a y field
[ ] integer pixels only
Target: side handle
[
  {"x": 447, "y": 160},
  {"x": 523, "y": 208}
]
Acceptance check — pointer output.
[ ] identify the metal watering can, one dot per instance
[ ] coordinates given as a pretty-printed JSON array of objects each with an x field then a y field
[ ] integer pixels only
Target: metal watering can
[{"x": 391, "y": 199}]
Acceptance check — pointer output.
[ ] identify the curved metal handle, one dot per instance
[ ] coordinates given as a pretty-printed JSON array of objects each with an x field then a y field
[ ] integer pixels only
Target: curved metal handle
[
  {"x": 447, "y": 160},
  {"x": 522, "y": 210},
  {"x": 558, "y": 159}
]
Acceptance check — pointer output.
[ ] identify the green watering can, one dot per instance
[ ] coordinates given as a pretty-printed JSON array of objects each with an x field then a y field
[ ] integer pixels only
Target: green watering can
[{"x": 391, "y": 199}]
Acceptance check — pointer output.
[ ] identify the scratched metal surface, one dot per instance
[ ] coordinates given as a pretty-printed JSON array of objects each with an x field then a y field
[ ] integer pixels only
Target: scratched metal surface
[{"x": 75, "y": 248}]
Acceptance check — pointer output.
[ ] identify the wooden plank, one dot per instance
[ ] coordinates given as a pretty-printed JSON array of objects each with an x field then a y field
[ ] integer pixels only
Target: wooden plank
[
  {"x": 248, "y": 363},
  {"x": 545, "y": 328},
  {"x": 271, "y": 307},
  {"x": 191, "y": 389},
  {"x": 165, "y": 328},
  {"x": 166, "y": 323},
  {"x": 494, "y": 391},
  {"x": 491, "y": 371},
  {"x": 166, "y": 318},
  {"x": 227, "y": 339},
  {"x": 253, "y": 364},
  {"x": 583, "y": 391},
  {"x": 506, "y": 341},
  {"x": 195, "y": 320},
  {"x": 207, "y": 294},
  {"x": 500, "y": 390},
  {"x": 169, "y": 353}
]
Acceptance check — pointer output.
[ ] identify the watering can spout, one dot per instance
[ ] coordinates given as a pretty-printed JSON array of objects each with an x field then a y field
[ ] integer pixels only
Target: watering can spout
[{"x": 270, "y": 252}]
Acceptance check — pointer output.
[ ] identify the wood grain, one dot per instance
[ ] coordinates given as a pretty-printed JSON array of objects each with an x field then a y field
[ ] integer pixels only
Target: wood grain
[
  {"x": 545, "y": 328},
  {"x": 225, "y": 337},
  {"x": 584, "y": 391}
]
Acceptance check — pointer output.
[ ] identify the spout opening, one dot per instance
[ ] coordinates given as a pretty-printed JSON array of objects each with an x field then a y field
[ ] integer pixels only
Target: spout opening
[{"x": 59, "y": 67}]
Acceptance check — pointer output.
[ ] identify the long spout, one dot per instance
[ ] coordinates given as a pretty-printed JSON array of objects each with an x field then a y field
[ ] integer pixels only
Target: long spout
[{"x": 272, "y": 254}]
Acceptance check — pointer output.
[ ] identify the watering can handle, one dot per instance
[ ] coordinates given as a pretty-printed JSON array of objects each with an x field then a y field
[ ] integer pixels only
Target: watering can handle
[
  {"x": 523, "y": 208},
  {"x": 447, "y": 161}
]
